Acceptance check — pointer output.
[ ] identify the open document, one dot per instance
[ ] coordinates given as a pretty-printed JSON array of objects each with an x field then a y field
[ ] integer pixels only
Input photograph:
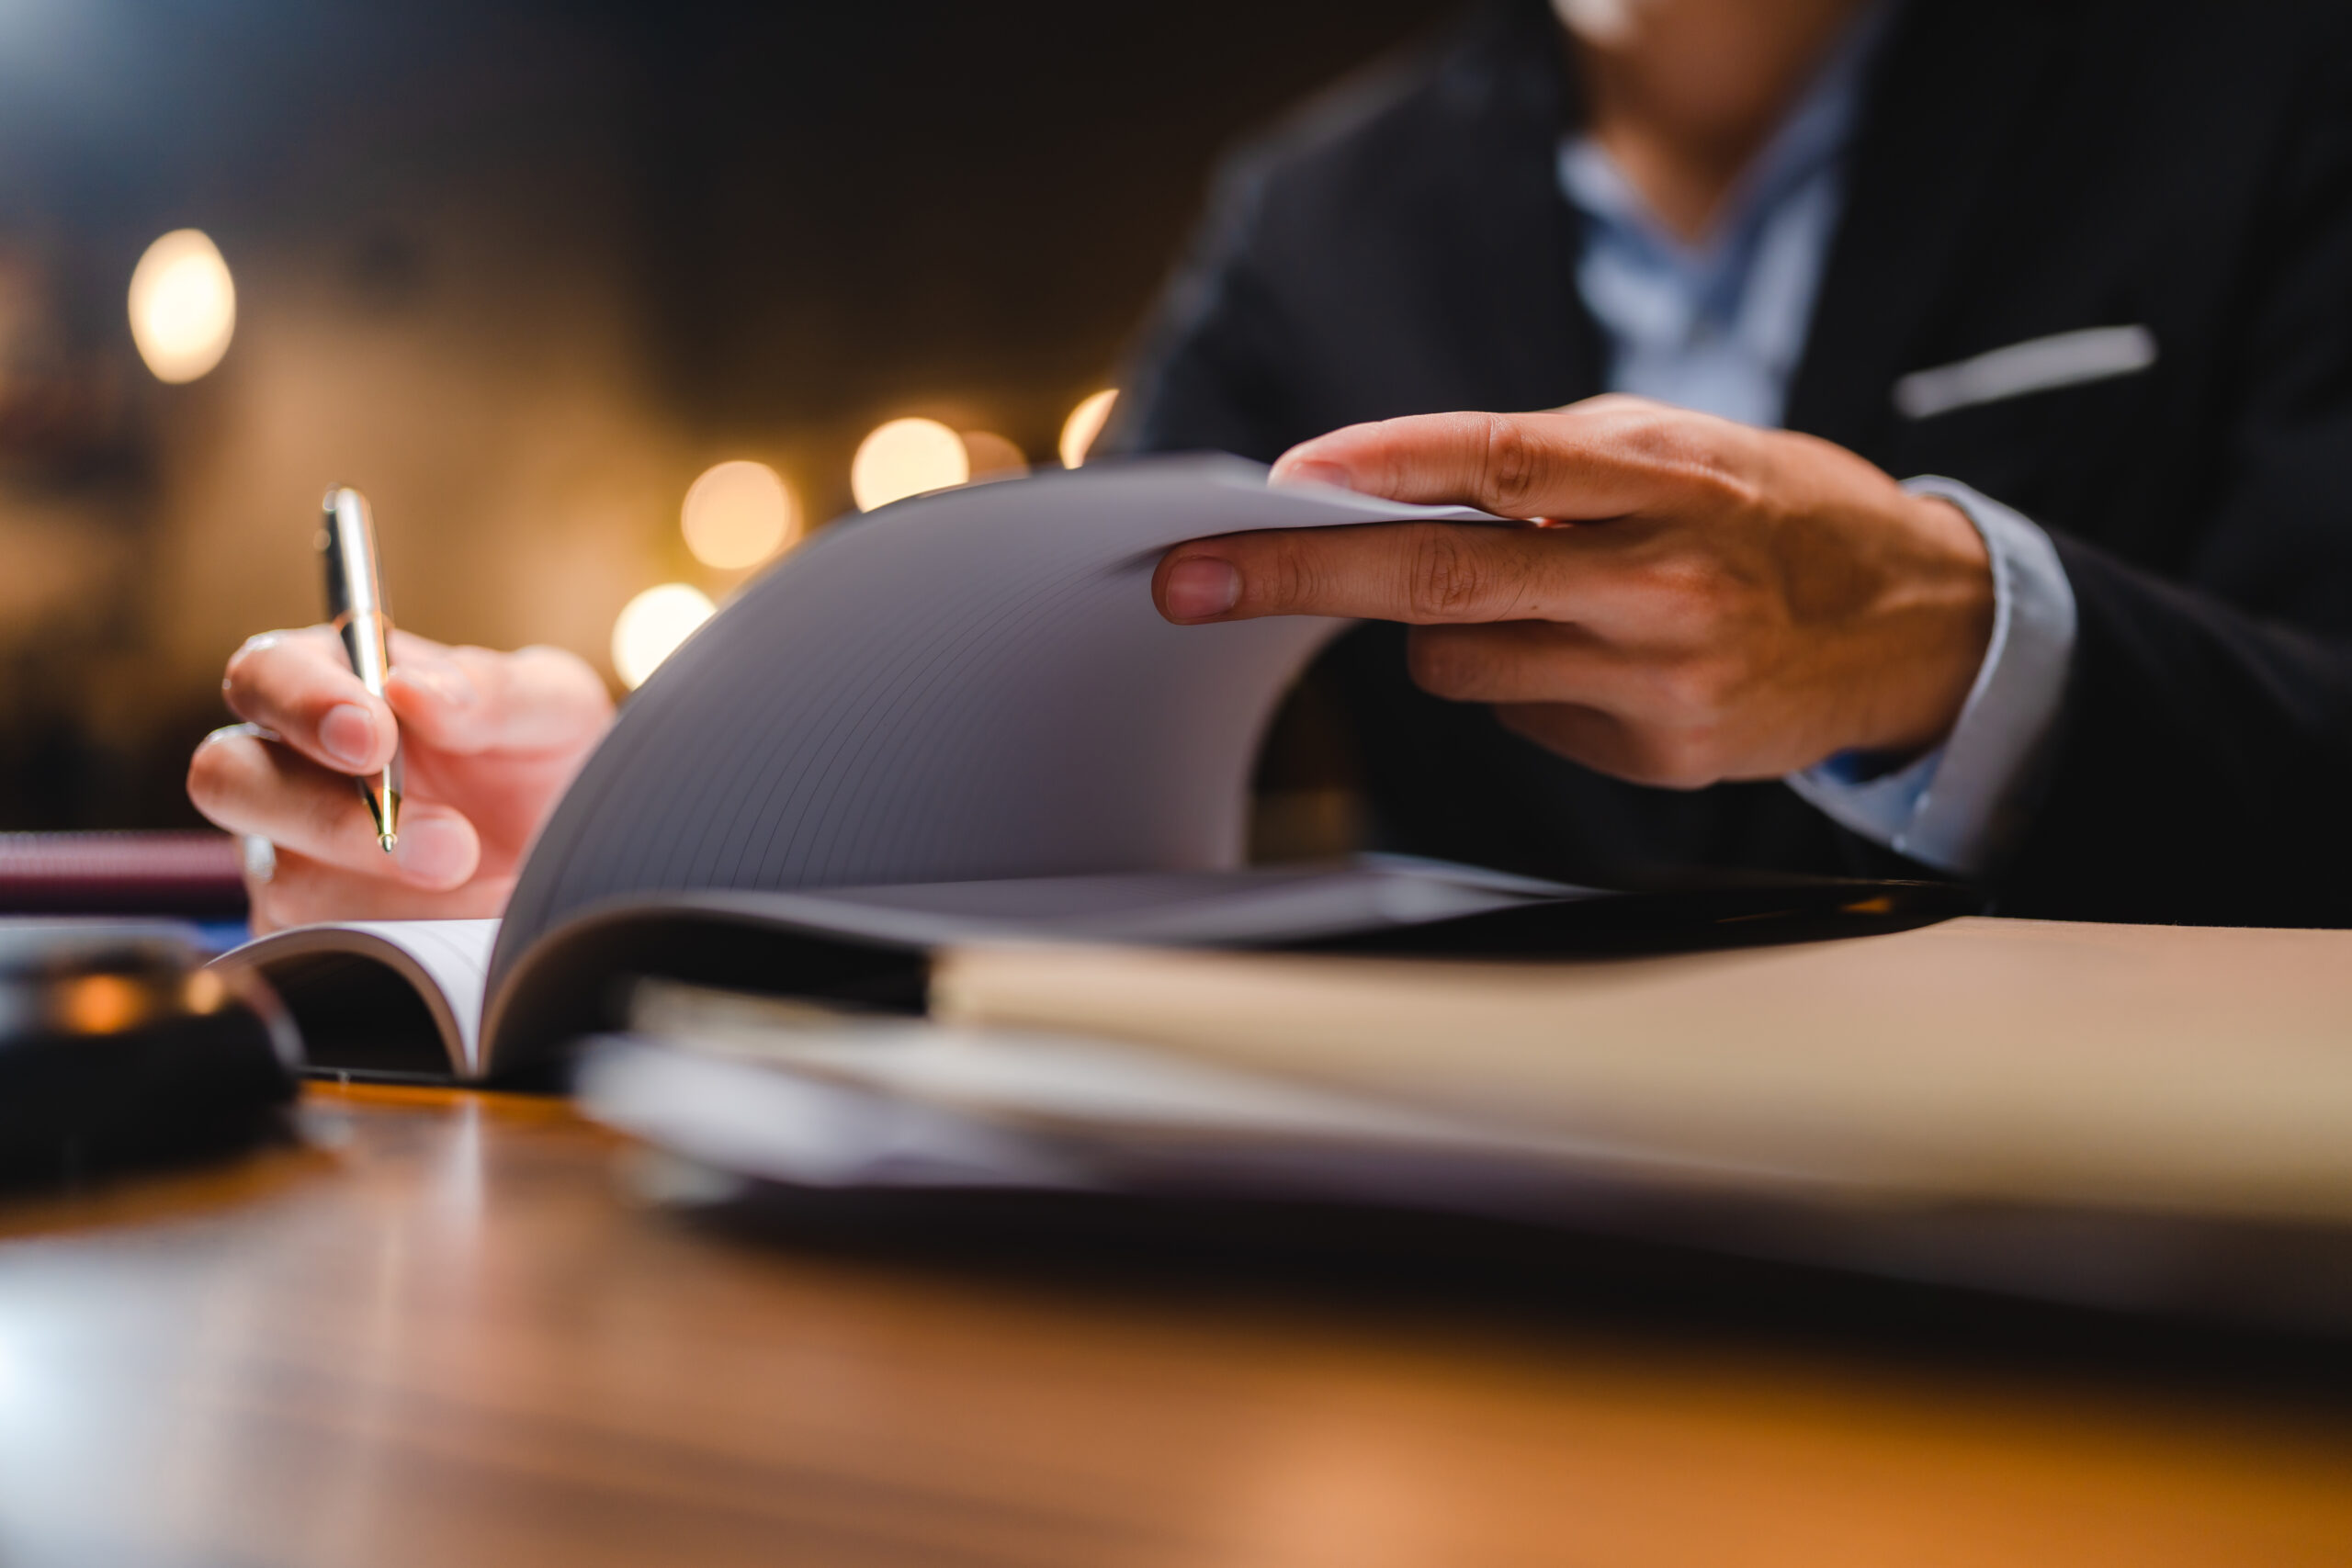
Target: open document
[{"x": 964, "y": 688}]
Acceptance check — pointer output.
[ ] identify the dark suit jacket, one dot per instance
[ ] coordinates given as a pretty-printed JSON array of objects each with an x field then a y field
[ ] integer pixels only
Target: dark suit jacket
[{"x": 2024, "y": 167}]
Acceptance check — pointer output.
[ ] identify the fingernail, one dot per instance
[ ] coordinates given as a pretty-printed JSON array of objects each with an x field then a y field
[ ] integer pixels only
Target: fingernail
[
  {"x": 1316, "y": 470},
  {"x": 441, "y": 677},
  {"x": 1202, "y": 586},
  {"x": 348, "y": 734},
  {"x": 435, "y": 847}
]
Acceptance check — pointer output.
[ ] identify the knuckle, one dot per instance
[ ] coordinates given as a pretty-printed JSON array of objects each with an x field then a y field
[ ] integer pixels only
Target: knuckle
[
  {"x": 208, "y": 774},
  {"x": 223, "y": 763},
  {"x": 1691, "y": 591},
  {"x": 1668, "y": 435},
  {"x": 245, "y": 665},
  {"x": 1700, "y": 687},
  {"x": 228, "y": 734},
  {"x": 1664, "y": 436},
  {"x": 254, "y": 647},
  {"x": 1288, "y": 578},
  {"x": 1710, "y": 457},
  {"x": 1509, "y": 464},
  {"x": 1443, "y": 579}
]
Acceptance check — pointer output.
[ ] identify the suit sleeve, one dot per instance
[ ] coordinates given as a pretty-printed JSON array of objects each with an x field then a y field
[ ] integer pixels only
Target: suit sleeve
[{"x": 2202, "y": 770}]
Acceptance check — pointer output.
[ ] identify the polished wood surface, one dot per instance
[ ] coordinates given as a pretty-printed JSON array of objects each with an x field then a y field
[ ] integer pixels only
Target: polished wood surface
[{"x": 442, "y": 1333}]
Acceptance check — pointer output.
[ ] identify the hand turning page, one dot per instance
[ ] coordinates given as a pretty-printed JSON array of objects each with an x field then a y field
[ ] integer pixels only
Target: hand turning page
[
  {"x": 956, "y": 719},
  {"x": 966, "y": 686}
]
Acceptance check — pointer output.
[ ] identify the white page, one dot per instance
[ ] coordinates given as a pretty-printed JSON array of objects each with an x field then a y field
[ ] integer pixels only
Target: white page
[
  {"x": 967, "y": 685},
  {"x": 447, "y": 961}
]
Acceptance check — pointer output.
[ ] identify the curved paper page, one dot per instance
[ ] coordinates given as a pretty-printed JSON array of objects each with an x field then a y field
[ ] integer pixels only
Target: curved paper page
[
  {"x": 967, "y": 685},
  {"x": 442, "y": 961}
]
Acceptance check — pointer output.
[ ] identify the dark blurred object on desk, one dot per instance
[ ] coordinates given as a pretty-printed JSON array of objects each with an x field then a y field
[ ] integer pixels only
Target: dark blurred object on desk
[
  {"x": 194, "y": 873},
  {"x": 117, "y": 1050}
]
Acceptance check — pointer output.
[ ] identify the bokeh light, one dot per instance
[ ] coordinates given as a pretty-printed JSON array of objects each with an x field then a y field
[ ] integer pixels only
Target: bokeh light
[
  {"x": 737, "y": 514},
  {"x": 651, "y": 626},
  {"x": 904, "y": 457},
  {"x": 183, "y": 306},
  {"x": 992, "y": 457},
  {"x": 1084, "y": 424},
  {"x": 1609, "y": 23}
]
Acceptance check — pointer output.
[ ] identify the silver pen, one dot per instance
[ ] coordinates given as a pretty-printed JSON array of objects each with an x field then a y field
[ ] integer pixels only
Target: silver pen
[{"x": 355, "y": 605}]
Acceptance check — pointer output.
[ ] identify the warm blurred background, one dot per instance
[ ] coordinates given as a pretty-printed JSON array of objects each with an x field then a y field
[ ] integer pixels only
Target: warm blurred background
[{"x": 528, "y": 274}]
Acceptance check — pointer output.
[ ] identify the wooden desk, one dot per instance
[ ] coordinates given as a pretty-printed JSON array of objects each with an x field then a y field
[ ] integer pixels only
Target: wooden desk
[{"x": 444, "y": 1336}]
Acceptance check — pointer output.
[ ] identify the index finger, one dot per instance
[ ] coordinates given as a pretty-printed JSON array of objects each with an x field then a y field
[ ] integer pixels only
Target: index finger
[
  {"x": 1601, "y": 458},
  {"x": 1421, "y": 574},
  {"x": 298, "y": 685}
]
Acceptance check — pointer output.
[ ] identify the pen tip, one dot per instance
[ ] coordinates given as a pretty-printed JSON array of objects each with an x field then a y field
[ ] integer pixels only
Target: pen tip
[{"x": 387, "y": 841}]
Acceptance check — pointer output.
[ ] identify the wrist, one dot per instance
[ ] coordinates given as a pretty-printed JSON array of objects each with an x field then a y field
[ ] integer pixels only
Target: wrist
[{"x": 1946, "y": 609}]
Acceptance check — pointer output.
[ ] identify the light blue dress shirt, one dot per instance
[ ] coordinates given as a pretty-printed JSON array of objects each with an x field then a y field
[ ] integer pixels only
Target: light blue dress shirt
[{"x": 1720, "y": 327}]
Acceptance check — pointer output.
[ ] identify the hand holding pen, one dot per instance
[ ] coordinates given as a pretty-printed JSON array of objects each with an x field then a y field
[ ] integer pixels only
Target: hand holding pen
[{"x": 486, "y": 740}]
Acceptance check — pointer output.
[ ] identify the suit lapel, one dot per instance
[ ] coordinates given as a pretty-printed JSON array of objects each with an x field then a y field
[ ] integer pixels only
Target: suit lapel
[{"x": 1947, "y": 106}]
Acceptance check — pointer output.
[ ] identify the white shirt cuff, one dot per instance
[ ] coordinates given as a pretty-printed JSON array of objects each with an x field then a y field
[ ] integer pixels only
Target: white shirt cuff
[{"x": 1955, "y": 808}]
